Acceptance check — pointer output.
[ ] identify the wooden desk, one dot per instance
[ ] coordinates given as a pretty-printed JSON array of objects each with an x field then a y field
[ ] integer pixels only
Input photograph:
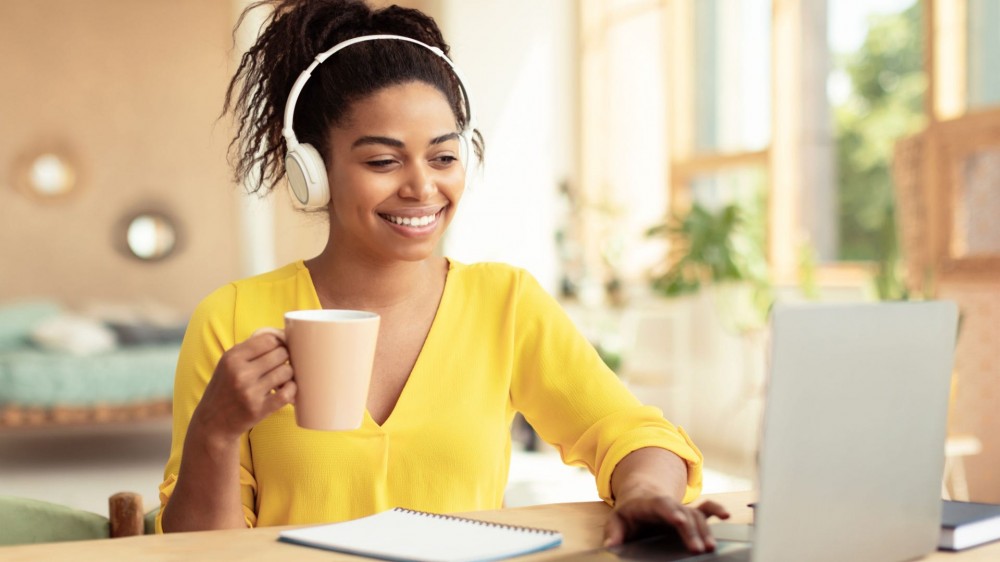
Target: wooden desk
[{"x": 580, "y": 523}]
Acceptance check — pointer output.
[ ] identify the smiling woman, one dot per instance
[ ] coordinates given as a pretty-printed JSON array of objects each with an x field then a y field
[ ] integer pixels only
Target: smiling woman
[{"x": 377, "y": 133}]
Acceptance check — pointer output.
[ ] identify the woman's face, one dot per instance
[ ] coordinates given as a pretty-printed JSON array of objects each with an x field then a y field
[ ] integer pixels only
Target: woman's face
[{"x": 395, "y": 175}]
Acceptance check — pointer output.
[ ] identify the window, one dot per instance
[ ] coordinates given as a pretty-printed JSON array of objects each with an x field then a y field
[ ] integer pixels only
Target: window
[
  {"x": 966, "y": 65},
  {"x": 983, "y": 24},
  {"x": 808, "y": 97},
  {"x": 625, "y": 146},
  {"x": 732, "y": 66},
  {"x": 876, "y": 90}
]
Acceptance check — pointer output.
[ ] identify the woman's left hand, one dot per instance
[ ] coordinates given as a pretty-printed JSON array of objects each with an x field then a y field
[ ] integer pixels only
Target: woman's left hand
[{"x": 637, "y": 515}]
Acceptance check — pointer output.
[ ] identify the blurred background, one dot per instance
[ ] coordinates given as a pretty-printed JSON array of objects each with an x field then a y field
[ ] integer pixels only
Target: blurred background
[{"x": 668, "y": 169}]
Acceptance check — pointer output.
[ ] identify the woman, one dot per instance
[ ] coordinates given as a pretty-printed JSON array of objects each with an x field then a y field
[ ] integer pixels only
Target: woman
[{"x": 461, "y": 348}]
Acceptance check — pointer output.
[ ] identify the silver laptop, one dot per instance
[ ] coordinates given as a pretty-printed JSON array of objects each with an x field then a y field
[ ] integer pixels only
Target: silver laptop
[{"x": 852, "y": 454}]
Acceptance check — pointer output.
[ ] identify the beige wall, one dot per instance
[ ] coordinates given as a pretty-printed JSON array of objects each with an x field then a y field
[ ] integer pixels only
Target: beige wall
[{"x": 133, "y": 89}]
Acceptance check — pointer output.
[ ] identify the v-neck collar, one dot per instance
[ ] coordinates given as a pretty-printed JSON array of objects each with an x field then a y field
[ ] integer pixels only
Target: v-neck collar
[{"x": 368, "y": 419}]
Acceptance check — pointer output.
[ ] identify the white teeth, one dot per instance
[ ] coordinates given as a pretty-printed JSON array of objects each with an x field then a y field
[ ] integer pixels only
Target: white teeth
[{"x": 411, "y": 221}]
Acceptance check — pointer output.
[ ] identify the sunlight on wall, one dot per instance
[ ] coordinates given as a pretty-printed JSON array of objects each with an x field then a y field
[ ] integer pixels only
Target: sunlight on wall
[
  {"x": 515, "y": 57},
  {"x": 256, "y": 215},
  {"x": 636, "y": 146}
]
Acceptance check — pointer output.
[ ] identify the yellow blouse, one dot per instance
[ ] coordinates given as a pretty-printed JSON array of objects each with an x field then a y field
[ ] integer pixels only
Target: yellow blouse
[{"x": 498, "y": 344}]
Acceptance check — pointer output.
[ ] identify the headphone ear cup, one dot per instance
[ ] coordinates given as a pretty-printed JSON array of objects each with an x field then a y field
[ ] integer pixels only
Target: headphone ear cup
[{"x": 307, "y": 179}]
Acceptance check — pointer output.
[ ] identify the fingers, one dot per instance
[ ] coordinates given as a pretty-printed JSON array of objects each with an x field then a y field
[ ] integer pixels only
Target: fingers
[
  {"x": 272, "y": 360},
  {"x": 684, "y": 520},
  {"x": 260, "y": 343},
  {"x": 690, "y": 523},
  {"x": 249, "y": 363},
  {"x": 276, "y": 332},
  {"x": 282, "y": 396},
  {"x": 250, "y": 382},
  {"x": 704, "y": 533},
  {"x": 711, "y": 508},
  {"x": 276, "y": 377},
  {"x": 276, "y": 382}
]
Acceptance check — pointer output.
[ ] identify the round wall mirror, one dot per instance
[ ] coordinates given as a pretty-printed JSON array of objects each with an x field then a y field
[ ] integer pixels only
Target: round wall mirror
[
  {"x": 46, "y": 175},
  {"x": 150, "y": 236}
]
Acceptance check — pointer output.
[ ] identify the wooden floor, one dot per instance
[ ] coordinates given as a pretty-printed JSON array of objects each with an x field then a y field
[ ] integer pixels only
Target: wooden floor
[{"x": 83, "y": 466}]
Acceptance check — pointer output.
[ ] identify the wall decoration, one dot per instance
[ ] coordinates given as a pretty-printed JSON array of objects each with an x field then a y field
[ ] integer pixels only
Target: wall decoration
[
  {"x": 148, "y": 235},
  {"x": 48, "y": 174}
]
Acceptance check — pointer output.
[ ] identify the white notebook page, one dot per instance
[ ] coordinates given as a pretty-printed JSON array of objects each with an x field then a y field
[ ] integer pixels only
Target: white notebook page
[{"x": 400, "y": 534}]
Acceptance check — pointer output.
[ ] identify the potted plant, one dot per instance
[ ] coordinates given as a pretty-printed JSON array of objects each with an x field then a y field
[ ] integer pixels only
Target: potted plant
[
  {"x": 712, "y": 248},
  {"x": 715, "y": 278}
]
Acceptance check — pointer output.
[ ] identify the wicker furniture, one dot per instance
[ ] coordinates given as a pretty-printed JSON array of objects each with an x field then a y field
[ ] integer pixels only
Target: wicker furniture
[{"x": 948, "y": 199}]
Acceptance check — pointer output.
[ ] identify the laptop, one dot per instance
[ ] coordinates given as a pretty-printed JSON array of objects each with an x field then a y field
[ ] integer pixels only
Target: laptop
[{"x": 852, "y": 454}]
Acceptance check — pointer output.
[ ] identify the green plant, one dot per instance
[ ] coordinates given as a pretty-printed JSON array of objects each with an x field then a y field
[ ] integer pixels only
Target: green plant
[
  {"x": 716, "y": 248},
  {"x": 707, "y": 247}
]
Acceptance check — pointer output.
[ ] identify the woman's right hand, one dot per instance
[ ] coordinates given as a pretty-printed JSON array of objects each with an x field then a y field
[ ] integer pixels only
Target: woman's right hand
[{"x": 252, "y": 380}]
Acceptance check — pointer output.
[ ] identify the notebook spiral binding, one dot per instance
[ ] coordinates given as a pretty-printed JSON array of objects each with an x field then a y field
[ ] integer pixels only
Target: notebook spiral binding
[{"x": 477, "y": 521}]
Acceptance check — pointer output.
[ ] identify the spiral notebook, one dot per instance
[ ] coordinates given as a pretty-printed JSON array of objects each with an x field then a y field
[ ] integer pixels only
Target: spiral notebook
[{"x": 417, "y": 536}]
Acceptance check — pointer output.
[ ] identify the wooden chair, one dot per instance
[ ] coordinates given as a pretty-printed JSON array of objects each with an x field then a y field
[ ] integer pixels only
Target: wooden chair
[
  {"x": 27, "y": 521},
  {"x": 125, "y": 515},
  {"x": 947, "y": 183}
]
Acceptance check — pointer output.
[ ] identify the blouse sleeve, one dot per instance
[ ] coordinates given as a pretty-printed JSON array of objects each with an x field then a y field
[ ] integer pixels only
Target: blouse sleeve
[
  {"x": 575, "y": 402},
  {"x": 210, "y": 332}
]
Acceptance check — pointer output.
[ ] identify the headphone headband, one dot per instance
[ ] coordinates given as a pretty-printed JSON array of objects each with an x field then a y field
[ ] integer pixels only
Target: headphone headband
[
  {"x": 288, "y": 133},
  {"x": 303, "y": 163}
]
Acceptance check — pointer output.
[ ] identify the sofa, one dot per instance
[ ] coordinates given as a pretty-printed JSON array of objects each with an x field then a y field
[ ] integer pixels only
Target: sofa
[{"x": 61, "y": 367}]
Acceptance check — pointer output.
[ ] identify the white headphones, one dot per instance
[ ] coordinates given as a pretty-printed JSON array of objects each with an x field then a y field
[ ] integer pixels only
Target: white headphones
[{"x": 304, "y": 166}]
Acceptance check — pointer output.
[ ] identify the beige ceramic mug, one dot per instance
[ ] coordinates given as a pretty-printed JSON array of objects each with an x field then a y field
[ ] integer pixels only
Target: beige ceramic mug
[{"x": 332, "y": 352}]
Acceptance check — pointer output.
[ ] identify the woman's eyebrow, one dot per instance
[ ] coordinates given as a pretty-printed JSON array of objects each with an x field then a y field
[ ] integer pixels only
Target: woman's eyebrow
[
  {"x": 396, "y": 143},
  {"x": 366, "y": 140},
  {"x": 443, "y": 138}
]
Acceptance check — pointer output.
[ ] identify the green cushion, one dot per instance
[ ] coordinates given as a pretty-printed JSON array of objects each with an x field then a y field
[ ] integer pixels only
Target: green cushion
[
  {"x": 24, "y": 521},
  {"x": 18, "y": 319},
  {"x": 31, "y": 377},
  {"x": 149, "y": 522}
]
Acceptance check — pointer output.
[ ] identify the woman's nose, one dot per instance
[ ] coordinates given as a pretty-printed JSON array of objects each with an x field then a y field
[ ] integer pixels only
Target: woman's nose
[{"x": 419, "y": 183}]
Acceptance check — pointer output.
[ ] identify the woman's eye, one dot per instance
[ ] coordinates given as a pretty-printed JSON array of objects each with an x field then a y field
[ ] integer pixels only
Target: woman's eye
[
  {"x": 381, "y": 163},
  {"x": 446, "y": 159}
]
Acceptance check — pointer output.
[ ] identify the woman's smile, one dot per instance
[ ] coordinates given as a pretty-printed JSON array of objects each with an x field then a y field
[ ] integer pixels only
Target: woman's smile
[{"x": 418, "y": 223}]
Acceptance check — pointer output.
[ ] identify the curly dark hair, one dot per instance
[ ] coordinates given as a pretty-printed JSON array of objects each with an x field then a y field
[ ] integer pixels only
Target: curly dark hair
[{"x": 292, "y": 35}]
